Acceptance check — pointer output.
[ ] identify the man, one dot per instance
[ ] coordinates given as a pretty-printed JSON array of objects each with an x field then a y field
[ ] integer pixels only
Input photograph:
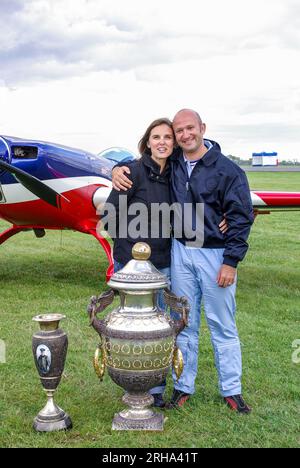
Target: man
[
  {"x": 201, "y": 174},
  {"x": 43, "y": 362}
]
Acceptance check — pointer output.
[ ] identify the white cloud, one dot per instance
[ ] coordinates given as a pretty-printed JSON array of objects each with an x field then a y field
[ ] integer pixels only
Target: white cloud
[{"x": 93, "y": 74}]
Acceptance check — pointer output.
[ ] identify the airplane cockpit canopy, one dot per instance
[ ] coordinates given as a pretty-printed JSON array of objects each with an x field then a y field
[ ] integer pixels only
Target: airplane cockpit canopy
[{"x": 118, "y": 155}]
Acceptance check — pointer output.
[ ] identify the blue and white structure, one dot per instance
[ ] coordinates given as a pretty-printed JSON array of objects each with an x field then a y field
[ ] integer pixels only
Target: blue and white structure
[{"x": 265, "y": 159}]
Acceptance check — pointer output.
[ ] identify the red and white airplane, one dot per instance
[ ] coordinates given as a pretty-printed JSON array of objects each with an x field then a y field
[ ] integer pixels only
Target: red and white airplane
[{"x": 49, "y": 186}]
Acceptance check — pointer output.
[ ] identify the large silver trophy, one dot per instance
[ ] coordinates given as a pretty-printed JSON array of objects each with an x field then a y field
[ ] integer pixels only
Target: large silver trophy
[{"x": 137, "y": 338}]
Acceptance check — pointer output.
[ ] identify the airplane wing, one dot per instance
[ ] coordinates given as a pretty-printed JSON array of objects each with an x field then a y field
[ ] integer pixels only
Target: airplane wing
[
  {"x": 265, "y": 200},
  {"x": 34, "y": 185}
]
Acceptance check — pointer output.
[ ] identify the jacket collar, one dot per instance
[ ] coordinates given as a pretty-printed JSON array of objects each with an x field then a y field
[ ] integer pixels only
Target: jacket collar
[
  {"x": 210, "y": 157},
  {"x": 149, "y": 162}
]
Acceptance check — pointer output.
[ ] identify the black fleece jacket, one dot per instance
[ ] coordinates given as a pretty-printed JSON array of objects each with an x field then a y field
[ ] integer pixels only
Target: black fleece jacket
[{"x": 149, "y": 187}]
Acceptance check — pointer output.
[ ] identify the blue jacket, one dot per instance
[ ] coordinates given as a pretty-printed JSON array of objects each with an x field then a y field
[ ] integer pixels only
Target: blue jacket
[{"x": 222, "y": 186}]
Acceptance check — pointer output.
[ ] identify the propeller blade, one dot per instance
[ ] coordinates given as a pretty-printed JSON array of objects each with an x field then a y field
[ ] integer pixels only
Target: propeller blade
[{"x": 34, "y": 185}]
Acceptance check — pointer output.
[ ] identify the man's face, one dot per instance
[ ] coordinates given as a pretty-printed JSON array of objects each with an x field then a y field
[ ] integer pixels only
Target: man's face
[{"x": 189, "y": 131}]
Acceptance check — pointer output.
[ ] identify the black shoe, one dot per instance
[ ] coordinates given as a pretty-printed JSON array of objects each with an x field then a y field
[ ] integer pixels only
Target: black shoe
[
  {"x": 237, "y": 403},
  {"x": 178, "y": 399},
  {"x": 158, "y": 400}
]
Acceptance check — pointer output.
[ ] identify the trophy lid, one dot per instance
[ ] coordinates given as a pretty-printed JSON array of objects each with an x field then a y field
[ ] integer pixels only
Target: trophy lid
[{"x": 139, "y": 273}]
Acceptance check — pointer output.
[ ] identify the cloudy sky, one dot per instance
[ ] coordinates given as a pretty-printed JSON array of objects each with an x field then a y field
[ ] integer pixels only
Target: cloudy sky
[{"x": 94, "y": 73}]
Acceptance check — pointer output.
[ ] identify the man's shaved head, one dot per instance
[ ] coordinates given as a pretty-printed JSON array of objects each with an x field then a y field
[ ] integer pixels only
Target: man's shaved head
[{"x": 191, "y": 111}]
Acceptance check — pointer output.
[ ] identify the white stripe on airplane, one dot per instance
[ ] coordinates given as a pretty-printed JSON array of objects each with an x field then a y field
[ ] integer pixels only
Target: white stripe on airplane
[
  {"x": 256, "y": 200},
  {"x": 17, "y": 193}
]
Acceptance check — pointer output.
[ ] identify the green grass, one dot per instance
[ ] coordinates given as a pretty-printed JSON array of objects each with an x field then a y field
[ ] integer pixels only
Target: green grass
[
  {"x": 60, "y": 272},
  {"x": 274, "y": 181}
]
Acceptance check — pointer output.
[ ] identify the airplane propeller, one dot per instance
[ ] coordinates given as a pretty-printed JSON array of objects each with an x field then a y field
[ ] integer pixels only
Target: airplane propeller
[{"x": 34, "y": 185}]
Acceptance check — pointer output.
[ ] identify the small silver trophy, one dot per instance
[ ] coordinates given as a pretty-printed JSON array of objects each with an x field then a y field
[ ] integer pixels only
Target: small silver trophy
[{"x": 49, "y": 347}]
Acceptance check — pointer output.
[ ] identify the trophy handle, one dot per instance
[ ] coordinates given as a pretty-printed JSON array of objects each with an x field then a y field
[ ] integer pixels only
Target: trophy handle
[
  {"x": 180, "y": 305},
  {"x": 99, "y": 362},
  {"x": 177, "y": 362},
  {"x": 99, "y": 303}
]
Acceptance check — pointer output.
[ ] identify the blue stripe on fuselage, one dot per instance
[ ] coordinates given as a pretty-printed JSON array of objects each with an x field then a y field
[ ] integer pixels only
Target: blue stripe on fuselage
[{"x": 56, "y": 161}]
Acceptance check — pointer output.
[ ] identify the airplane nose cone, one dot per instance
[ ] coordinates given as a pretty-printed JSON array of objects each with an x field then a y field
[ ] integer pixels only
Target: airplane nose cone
[
  {"x": 5, "y": 154},
  {"x": 4, "y": 151}
]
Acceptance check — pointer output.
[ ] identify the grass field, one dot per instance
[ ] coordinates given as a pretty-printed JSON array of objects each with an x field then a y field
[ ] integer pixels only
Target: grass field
[{"x": 60, "y": 272}]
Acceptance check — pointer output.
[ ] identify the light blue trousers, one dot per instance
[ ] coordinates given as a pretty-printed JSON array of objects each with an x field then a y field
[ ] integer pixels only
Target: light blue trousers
[{"x": 193, "y": 275}]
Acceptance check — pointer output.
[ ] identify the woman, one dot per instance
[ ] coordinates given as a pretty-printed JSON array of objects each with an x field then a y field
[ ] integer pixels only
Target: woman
[{"x": 150, "y": 176}]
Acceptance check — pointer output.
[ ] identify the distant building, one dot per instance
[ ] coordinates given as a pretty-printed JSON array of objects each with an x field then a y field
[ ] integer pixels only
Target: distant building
[{"x": 265, "y": 159}]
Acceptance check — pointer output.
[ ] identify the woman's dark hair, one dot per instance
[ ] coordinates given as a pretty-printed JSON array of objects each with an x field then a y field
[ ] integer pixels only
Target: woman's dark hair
[{"x": 142, "y": 146}]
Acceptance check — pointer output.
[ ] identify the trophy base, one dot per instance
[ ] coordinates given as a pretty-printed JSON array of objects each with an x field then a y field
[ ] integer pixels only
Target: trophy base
[
  {"x": 153, "y": 423},
  {"x": 52, "y": 418},
  {"x": 138, "y": 417},
  {"x": 42, "y": 425}
]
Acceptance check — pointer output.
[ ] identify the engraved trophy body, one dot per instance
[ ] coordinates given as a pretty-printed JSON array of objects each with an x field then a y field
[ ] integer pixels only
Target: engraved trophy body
[{"x": 137, "y": 339}]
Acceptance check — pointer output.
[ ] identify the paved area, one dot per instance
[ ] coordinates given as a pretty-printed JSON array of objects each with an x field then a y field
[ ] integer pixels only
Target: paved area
[{"x": 271, "y": 169}]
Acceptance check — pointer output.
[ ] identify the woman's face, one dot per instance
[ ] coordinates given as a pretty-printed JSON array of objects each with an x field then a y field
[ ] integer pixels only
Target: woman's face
[{"x": 161, "y": 142}]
